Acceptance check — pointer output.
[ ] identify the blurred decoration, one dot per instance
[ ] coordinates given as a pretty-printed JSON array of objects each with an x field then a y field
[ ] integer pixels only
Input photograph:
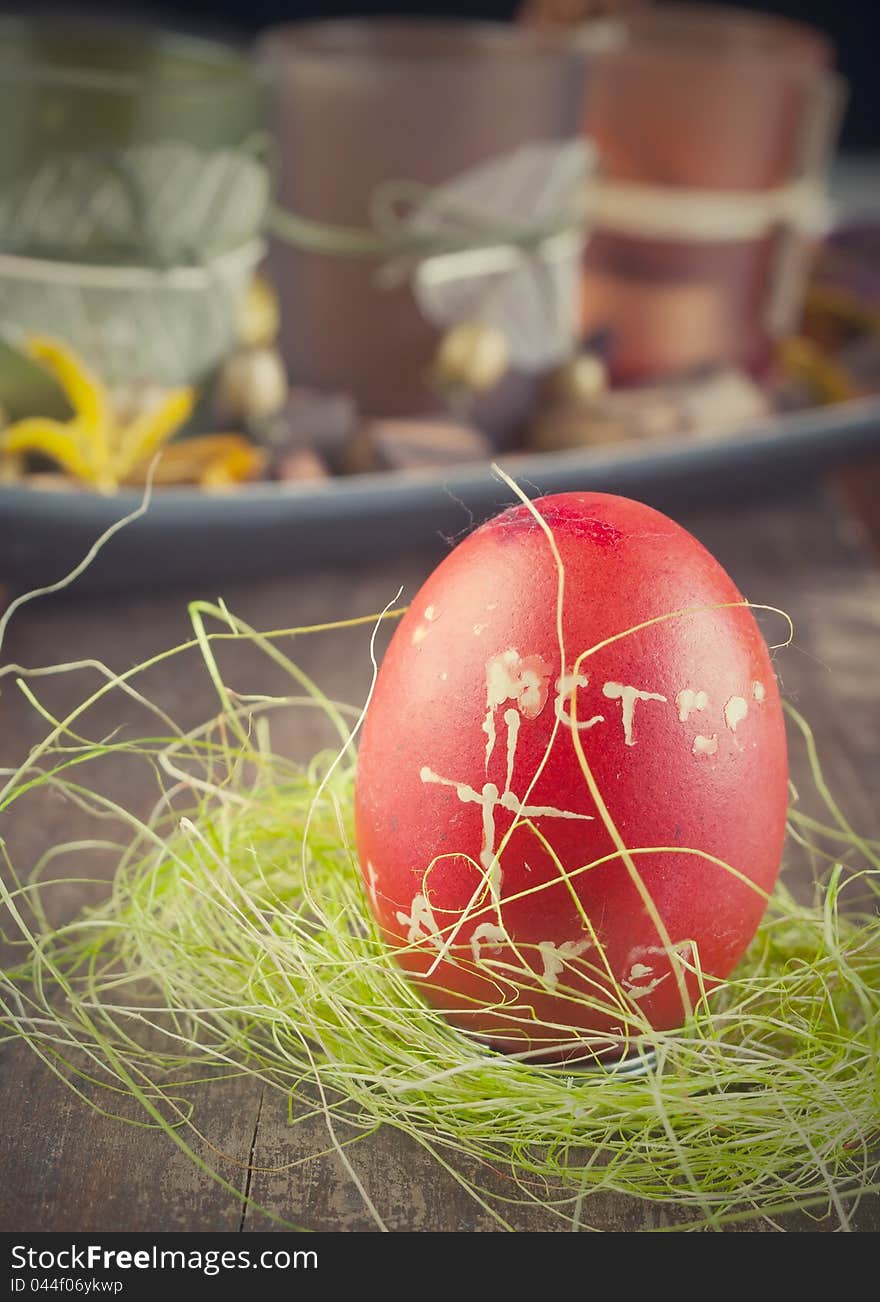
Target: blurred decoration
[
  {"x": 159, "y": 204},
  {"x": 313, "y": 421},
  {"x": 582, "y": 378},
  {"x": 72, "y": 85},
  {"x": 259, "y": 315},
  {"x": 115, "y": 436},
  {"x": 251, "y": 385},
  {"x": 417, "y": 111},
  {"x": 698, "y": 406},
  {"x": 714, "y": 130},
  {"x": 843, "y": 301},
  {"x": 470, "y": 358},
  {"x": 94, "y": 445},
  {"x": 837, "y": 355},
  {"x": 131, "y": 323},
  {"x": 303, "y": 465},
  {"x": 592, "y": 228},
  {"x": 526, "y": 290},
  {"x": 133, "y": 194},
  {"x": 213, "y": 461},
  {"x": 413, "y": 445},
  {"x": 820, "y": 377}
]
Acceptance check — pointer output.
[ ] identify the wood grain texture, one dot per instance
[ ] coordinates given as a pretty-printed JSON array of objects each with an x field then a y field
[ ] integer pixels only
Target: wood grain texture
[
  {"x": 64, "y": 1166},
  {"x": 858, "y": 489}
]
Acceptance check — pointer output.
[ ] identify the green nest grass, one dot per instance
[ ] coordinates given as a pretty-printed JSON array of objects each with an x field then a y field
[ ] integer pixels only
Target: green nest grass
[{"x": 235, "y": 940}]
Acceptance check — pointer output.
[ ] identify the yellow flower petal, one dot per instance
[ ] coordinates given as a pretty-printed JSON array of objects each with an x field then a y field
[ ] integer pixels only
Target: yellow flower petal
[
  {"x": 85, "y": 392},
  {"x": 54, "y": 439},
  {"x": 139, "y": 440}
]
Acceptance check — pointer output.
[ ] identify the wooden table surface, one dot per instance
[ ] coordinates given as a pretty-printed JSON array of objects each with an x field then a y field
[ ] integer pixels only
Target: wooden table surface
[{"x": 67, "y": 1168}]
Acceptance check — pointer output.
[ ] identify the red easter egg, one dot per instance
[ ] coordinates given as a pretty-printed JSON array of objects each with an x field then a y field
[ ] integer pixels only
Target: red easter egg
[{"x": 572, "y": 780}]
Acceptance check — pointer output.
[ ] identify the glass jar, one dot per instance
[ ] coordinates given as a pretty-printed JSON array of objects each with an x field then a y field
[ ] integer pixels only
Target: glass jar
[
  {"x": 714, "y": 128},
  {"x": 361, "y": 104},
  {"x": 134, "y": 188}
]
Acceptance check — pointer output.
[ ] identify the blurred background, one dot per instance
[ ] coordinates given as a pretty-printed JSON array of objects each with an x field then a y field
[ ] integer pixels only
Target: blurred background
[
  {"x": 851, "y": 24},
  {"x": 326, "y": 261}
]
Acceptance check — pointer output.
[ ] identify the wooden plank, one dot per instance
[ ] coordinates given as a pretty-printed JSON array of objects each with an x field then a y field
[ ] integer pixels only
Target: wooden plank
[{"x": 67, "y": 1168}]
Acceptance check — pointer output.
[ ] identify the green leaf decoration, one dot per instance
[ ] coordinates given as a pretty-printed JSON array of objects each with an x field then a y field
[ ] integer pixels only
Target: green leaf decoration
[{"x": 161, "y": 204}]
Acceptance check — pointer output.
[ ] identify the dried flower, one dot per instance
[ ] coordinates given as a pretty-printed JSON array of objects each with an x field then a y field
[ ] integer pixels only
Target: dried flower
[
  {"x": 213, "y": 461},
  {"x": 93, "y": 445}
]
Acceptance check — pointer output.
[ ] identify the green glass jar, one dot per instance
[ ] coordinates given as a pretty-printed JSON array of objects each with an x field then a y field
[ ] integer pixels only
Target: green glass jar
[
  {"x": 134, "y": 187},
  {"x": 67, "y": 86}
]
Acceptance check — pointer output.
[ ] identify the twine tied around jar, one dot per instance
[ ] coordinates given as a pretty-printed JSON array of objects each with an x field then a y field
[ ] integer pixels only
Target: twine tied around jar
[
  {"x": 464, "y": 255},
  {"x": 393, "y": 235}
]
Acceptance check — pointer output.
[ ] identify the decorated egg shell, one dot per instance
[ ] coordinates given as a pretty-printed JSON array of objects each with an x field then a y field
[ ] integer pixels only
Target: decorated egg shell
[{"x": 572, "y": 781}]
